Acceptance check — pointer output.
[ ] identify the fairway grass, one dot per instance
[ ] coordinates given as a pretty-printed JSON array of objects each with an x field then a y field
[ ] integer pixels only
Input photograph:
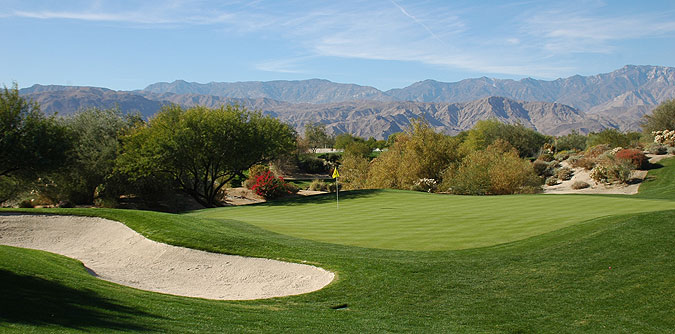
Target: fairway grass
[{"x": 406, "y": 220}]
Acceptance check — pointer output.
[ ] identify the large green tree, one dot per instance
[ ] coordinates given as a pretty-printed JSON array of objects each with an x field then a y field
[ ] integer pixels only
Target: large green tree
[
  {"x": 527, "y": 141},
  {"x": 203, "y": 149},
  {"x": 30, "y": 142},
  {"x": 316, "y": 136},
  {"x": 95, "y": 134},
  {"x": 662, "y": 118}
]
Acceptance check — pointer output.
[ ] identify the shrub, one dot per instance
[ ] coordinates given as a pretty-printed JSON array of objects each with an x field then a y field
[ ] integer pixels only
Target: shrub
[
  {"x": 548, "y": 157},
  {"x": 665, "y": 137},
  {"x": 612, "y": 171},
  {"x": 354, "y": 171},
  {"x": 564, "y": 155},
  {"x": 597, "y": 150},
  {"x": 657, "y": 149},
  {"x": 542, "y": 168},
  {"x": 425, "y": 185},
  {"x": 585, "y": 163},
  {"x": 253, "y": 173},
  {"x": 318, "y": 185},
  {"x": 551, "y": 181},
  {"x": 671, "y": 150},
  {"x": 635, "y": 157},
  {"x": 27, "y": 203},
  {"x": 312, "y": 165},
  {"x": 580, "y": 185},
  {"x": 564, "y": 173},
  {"x": 496, "y": 170},
  {"x": 270, "y": 187},
  {"x": 333, "y": 188}
]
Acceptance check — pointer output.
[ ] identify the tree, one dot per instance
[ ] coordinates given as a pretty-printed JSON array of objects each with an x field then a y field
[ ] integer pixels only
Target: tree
[
  {"x": 30, "y": 142},
  {"x": 202, "y": 149},
  {"x": 354, "y": 171},
  {"x": 495, "y": 170},
  {"x": 316, "y": 136},
  {"x": 571, "y": 141},
  {"x": 344, "y": 139},
  {"x": 418, "y": 153},
  {"x": 611, "y": 137},
  {"x": 359, "y": 148},
  {"x": 661, "y": 118},
  {"x": 96, "y": 137},
  {"x": 527, "y": 141}
]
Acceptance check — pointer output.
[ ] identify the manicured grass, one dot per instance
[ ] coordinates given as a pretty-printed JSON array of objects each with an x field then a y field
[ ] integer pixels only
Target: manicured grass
[
  {"x": 613, "y": 274},
  {"x": 660, "y": 181},
  {"x": 560, "y": 282},
  {"x": 405, "y": 220}
]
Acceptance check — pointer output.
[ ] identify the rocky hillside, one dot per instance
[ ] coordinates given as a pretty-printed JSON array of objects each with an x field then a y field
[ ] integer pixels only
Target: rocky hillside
[{"x": 613, "y": 100}]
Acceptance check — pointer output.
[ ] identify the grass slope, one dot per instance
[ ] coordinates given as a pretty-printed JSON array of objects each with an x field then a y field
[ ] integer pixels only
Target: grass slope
[
  {"x": 405, "y": 220},
  {"x": 606, "y": 275}
]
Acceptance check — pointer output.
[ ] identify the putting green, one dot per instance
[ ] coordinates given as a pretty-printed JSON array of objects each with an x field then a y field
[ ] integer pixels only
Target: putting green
[{"x": 405, "y": 220}]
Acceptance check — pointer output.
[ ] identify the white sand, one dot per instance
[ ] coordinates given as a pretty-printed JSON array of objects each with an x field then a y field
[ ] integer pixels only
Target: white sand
[{"x": 116, "y": 253}]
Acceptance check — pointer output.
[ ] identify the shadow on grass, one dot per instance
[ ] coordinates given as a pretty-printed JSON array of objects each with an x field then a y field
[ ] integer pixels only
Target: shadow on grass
[
  {"x": 35, "y": 301},
  {"x": 322, "y": 198}
]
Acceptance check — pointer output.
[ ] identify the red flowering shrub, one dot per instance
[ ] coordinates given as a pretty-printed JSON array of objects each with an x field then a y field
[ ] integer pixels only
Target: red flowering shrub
[
  {"x": 635, "y": 157},
  {"x": 270, "y": 187}
]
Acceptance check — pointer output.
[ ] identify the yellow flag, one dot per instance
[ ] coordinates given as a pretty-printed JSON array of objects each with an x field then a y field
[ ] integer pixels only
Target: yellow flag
[{"x": 335, "y": 173}]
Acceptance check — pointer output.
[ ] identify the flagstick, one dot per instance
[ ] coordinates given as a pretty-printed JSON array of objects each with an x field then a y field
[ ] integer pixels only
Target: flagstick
[{"x": 337, "y": 193}]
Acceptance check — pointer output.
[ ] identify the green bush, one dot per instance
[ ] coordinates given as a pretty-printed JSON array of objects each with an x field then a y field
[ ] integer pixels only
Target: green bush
[
  {"x": 312, "y": 165},
  {"x": 542, "y": 168},
  {"x": 552, "y": 181},
  {"x": 564, "y": 155}
]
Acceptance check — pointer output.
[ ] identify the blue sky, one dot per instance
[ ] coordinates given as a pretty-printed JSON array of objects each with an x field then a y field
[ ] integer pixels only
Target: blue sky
[{"x": 387, "y": 44}]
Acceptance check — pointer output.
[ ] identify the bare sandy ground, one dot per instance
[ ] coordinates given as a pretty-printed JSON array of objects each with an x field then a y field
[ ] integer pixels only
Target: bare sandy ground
[
  {"x": 113, "y": 252},
  {"x": 580, "y": 174}
]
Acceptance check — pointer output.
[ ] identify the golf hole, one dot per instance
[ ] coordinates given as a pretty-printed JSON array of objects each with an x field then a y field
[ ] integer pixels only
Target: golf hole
[{"x": 340, "y": 307}]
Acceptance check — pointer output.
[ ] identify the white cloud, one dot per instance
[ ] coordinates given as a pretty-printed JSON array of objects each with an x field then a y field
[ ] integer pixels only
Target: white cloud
[{"x": 526, "y": 38}]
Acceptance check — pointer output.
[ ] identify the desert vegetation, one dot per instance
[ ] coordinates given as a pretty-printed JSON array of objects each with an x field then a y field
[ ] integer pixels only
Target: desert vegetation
[{"x": 104, "y": 157}]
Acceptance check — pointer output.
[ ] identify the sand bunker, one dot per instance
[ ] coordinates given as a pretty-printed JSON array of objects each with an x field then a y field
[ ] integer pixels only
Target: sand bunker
[{"x": 116, "y": 253}]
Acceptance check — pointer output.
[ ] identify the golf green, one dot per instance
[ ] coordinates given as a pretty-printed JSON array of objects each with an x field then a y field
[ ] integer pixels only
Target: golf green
[{"x": 405, "y": 220}]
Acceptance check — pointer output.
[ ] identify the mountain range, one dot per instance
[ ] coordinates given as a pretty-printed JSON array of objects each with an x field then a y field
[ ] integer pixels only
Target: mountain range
[{"x": 617, "y": 99}]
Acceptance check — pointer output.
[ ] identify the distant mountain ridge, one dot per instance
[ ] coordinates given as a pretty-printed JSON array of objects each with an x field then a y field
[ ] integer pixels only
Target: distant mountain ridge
[
  {"x": 581, "y": 92},
  {"x": 302, "y": 91},
  {"x": 612, "y": 100}
]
